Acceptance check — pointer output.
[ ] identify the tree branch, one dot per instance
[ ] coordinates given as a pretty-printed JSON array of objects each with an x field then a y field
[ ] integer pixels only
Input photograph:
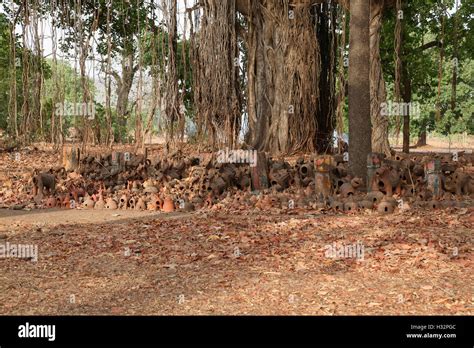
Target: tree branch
[
  {"x": 428, "y": 45},
  {"x": 117, "y": 77}
]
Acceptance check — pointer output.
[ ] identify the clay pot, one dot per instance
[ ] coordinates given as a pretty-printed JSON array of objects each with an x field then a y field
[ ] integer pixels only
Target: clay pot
[
  {"x": 155, "y": 203},
  {"x": 100, "y": 204},
  {"x": 152, "y": 206},
  {"x": 209, "y": 202},
  {"x": 123, "y": 202},
  {"x": 351, "y": 206},
  {"x": 418, "y": 170},
  {"x": 66, "y": 202},
  {"x": 337, "y": 184},
  {"x": 407, "y": 163},
  {"x": 408, "y": 191},
  {"x": 366, "y": 204},
  {"x": 386, "y": 207},
  {"x": 59, "y": 201},
  {"x": 131, "y": 203},
  {"x": 88, "y": 203},
  {"x": 306, "y": 170},
  {"x": 400, "y": 157},
  {"x": 51, "y": 202},
  {"x": 111, "y": 204},
  {"x": 168, "y": 205},
  {"x": 76, "y": 194},
  {"x": 281, "y": 178},
  {"x": 135, "y": 187},
  {"x": 425, "y": 195},
  {"x": 218, "y": 185},
  {"x": 338, "y": 206},
  {"x": 149, "y": 187},
  {"x": 375, "y": 196},
  {"x": 434, "y": 204},
  {"x": 205, "y": 187},
  {"x": 356, "y": 183},
  {"x": 140, "y": 204},
  {"x": 347, "y": 190}
]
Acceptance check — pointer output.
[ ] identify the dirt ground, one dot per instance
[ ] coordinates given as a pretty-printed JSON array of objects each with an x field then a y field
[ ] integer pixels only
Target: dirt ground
[
  {"x": 240, "y": 263},
  {"x": 234, "y": 262}
]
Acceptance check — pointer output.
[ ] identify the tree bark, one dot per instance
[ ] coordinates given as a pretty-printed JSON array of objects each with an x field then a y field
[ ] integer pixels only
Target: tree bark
[
  {"x": 25, "y": 107},
  {"x": 326, "y": 25},
  {"x": 422, "y": 138},
  {"x": 284, "y": 65},
  {"x": 378, "y": 92},
  {"x": 258, "y": 106},
  {"x": 124, "y": 85},
  {"x": 37, "y": 107},
  {"x": 216, "y": 66},
  {"x": 360, "y": 128},
  {"x": 172, "y": 100},
  {"x": 406, "y": 95}
]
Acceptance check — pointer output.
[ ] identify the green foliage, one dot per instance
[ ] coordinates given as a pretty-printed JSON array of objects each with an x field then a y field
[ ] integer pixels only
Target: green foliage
[
  {"x": 422, "y": 25},
  {"x": 5, "y": 75},
  {"x": 64, "y": 87},
  {"x": 10, "y": 64}
]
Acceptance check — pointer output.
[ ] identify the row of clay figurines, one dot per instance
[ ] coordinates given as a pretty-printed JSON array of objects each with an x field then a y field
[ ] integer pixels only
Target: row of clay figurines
[{"x": 98, "y": 202}]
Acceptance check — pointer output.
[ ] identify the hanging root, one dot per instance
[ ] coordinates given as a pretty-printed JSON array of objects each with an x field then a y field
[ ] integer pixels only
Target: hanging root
[{"x": 215, "y": 72}]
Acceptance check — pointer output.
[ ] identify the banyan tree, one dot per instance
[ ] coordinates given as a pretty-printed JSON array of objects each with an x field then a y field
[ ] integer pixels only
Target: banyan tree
[
  {"x": 290, "y": 86},
  {"x": 273, "y": 73},
  {"x": 294, "y": 84}
]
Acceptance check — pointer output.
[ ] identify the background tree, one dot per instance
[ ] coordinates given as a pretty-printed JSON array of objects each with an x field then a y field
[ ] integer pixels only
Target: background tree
[{"x": 360, "y": 128}]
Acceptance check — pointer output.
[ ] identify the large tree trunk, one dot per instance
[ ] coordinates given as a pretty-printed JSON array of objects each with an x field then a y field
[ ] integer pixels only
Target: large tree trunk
[
  {"x": 13, "y": 101},
  {"x": 326, "y": 35},
  {"x": 37, "y": 108},
  {"x": 422, "y": 138},
  {"x": 406, "y": 95},
  {"x": 124, "y": 85},
  {"x": 284, "y": 70},
  {"x": 378, "y": 92},
  {"x": 360, "y": 128},
  {"x": 172, "y": 106},
  {"x": 258, "y": 106},
  {"x": 216, "y": 87},
  {"x": 25, "y": 107}
]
